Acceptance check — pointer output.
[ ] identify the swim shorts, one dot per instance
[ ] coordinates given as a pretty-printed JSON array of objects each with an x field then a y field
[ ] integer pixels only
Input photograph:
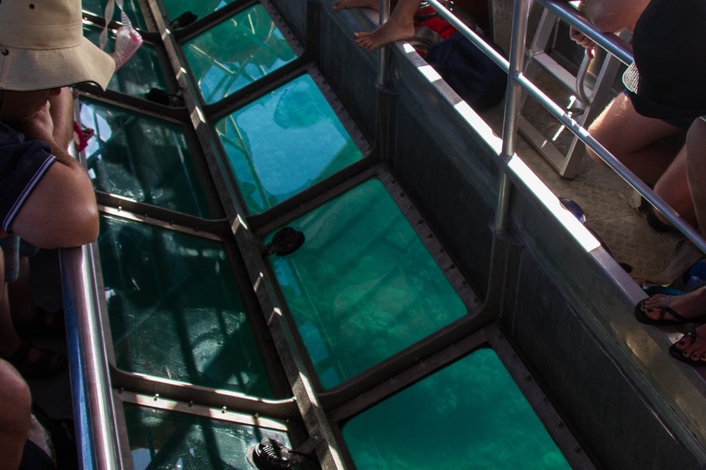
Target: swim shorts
[{"x": 683, "y": 123}]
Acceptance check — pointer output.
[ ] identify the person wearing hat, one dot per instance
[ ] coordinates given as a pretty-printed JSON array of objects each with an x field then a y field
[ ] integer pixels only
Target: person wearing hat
[
  {"x": 46, "y": 197},
  {"x": 668, "y": 81}
]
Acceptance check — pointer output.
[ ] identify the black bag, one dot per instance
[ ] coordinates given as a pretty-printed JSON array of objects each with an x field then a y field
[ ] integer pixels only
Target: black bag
[{"x": 472, "y": 74}]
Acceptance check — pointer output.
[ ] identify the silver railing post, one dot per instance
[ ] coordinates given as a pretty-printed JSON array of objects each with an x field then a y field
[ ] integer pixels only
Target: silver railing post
[
  {"x": 97, "y": 441},
  {"x": 384, "y": 51},
  {"x": 512, "y": 108}
]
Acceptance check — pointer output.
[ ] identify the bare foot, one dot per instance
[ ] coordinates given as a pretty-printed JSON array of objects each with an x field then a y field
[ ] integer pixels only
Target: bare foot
[
  {"x": 385, "y": 34},
  {"x": 343, "y": 4},
  {"x": 675, "y": 308},
  {"x": 691, "y": 348}
]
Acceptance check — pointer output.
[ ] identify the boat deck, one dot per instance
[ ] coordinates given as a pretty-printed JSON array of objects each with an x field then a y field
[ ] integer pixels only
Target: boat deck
[{"x": 401, "y": 302}]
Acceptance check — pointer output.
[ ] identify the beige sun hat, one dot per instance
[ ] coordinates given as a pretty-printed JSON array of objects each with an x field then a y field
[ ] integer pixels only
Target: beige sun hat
[{"x": 42, "y": 47}]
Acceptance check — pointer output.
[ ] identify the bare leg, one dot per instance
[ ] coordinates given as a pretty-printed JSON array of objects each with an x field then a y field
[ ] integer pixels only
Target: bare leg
[
  {"x": 400, "y": 26},
  {"x": 696, "y": 165},
  {"x": 647, "y": 146},
  {"x": 343, "y": 4},
  {"x": 673, "y": 187}
]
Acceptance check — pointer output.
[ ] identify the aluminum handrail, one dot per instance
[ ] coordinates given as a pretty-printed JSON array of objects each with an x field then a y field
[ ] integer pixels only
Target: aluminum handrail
[
  {"x": 94, "y": 420},
  {"x": 516, "y": 79}
]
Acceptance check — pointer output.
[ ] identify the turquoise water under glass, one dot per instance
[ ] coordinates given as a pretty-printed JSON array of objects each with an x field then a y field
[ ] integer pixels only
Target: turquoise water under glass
[
  {"x": 161, "y": 439},
  {"x": 283, "y": 143},
  {"x": 174, "y": 309},
  {"x": 468, "y": 416},
  {"x": 236, "y": 52},
  {"x": 363, "y": 286}
]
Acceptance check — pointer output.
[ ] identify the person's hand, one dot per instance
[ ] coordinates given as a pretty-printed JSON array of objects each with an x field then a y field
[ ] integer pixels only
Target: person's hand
[
  {"x": 581, "y": 39},
  {"x": 39, "y": 127}
]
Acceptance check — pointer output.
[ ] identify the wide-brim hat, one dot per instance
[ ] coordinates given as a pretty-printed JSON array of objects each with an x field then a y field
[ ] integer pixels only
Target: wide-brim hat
[
  {"x": 667, "y": 80},
  {"x": 42, "y": 47}
]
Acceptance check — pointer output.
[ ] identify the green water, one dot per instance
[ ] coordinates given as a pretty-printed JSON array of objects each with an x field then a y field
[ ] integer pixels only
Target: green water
[
  {"x": 141, "y": 158},
  {"x": 169, "y": 440},
  {"x": 363, "y": 286},
  {"x": 139, "y": 74},
  {"x": 468, "y": 416},
  {"x": 283, "y": 143},
  {"x": 236, "y": 52},
  {"x": 174, "y": 309}
]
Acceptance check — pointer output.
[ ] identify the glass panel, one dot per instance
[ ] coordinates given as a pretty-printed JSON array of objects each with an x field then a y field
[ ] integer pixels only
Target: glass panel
[
  {"x": 285, "y": 142},
  {"x": 139, "y": 74},
  {"x": 201, "y": 8},
  {"x": 363, "y": 286},
  {"x": 470, "y": 415},
  {"x": 131, "y": 7},
  {"x": 141, "y": 158},
  {"x": 236, "y": 52},
  {"x": 161, "y": 439},
  {"x": 174, "y": 309}
]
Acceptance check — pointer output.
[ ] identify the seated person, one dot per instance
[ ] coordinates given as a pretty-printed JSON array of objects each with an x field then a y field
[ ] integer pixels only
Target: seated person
[
  {"x": 666, "y": 82},
  {"x": 649, "y": 147}
]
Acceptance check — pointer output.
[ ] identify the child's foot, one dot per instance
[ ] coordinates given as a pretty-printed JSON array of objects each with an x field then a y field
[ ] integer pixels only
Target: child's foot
[
  {"x": 385, "y": 34},
  {"x": 343, "y": 4}
]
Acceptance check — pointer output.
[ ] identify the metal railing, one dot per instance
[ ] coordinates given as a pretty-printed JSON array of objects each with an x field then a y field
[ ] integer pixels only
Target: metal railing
[
  {"x": 517, "y": 82},
  {"x": 91, "y": 389}
]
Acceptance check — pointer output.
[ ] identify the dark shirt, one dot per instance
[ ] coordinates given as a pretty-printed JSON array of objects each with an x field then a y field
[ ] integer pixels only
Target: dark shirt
[{"x": 22, "y": 165}]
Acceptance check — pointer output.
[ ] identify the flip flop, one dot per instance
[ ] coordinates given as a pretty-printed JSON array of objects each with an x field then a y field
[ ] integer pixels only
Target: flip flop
[
  {"x": 663, "y": 311},
  {"x": 678, "y": 354}
]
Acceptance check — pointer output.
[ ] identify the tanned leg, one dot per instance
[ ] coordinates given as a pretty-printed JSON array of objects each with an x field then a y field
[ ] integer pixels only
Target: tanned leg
[{"x": 647, "y": 146}]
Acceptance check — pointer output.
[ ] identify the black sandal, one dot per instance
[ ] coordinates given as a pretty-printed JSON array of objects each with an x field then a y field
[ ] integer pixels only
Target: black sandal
[
  {"x": 48, "y": 362},
  {"x": 678, "y": 354}
]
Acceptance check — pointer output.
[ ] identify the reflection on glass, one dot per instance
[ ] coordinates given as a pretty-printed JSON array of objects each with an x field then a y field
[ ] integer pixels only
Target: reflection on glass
[
  {"x": 201, "y": 8},
  {"x": 161, "y": 439},
  {"x": 141, "y": 158},
  {"x": 139, "y": 74},
  {"x": 131, "y": 7},
  {"x": 470, "y": 415},
  {"x": 174, "y": 309},
  {"x": 283, "y": 143},
  {"x": 363, "y": 286},
  {"x": 236, "y": 52}
]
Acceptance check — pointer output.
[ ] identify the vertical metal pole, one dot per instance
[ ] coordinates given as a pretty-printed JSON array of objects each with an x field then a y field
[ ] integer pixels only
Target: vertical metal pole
[
  {"x": 512, "y": 107},
  {"x": 384, "y": 51}
]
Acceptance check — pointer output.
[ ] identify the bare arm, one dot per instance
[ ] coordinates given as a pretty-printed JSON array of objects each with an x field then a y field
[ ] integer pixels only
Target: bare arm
[
  {"x": 609, "y": 16},
  {"x": 62, "y": 116},
  {"x": 613, "y": 16},
  {"x": 61, "y": 210}
]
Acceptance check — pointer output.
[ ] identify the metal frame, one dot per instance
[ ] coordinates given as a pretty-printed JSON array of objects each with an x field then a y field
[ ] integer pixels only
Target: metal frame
[{"x": 320, "y": 413}]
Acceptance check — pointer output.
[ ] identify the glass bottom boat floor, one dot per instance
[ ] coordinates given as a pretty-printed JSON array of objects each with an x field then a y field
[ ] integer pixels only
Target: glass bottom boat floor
[{"x": 339, "y": 275}]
